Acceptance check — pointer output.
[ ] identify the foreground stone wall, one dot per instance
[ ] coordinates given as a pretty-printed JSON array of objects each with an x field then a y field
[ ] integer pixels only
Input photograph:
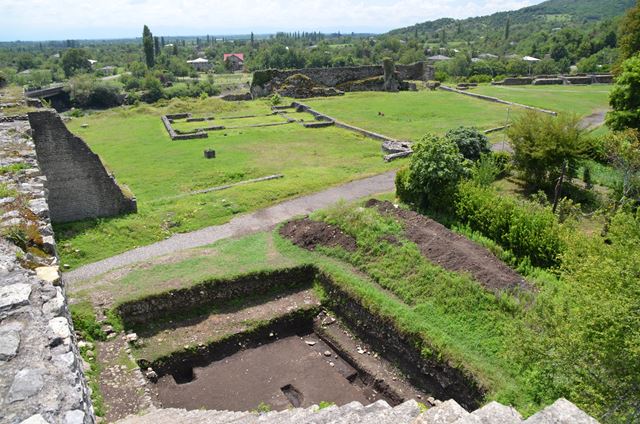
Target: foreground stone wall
[
  {"x": 41, "y": 371},
  {"x": 79, "y": 185},
  {"x": 264, "y": 81}
]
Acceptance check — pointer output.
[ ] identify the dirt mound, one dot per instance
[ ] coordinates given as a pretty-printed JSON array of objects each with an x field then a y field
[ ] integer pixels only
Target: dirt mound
[
  {"x": 453, "y": 251},
  {"x": 308, "y": 234}
]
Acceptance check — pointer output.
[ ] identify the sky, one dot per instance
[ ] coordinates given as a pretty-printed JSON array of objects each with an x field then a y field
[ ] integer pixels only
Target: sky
[{"x": 90, "y": 19}]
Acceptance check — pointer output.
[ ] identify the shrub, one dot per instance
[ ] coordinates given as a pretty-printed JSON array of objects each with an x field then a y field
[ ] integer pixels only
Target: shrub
[
  {"x": 502, "y": 160},
  {"x": 542, "y": 143},
  {"x": 3, "y": 80},
  {"x": 485, "y": 171},
  {"x": 528, "y": 230},
  {"x": 436, "y": 168},
  {"x": 471, "y": 142},
  {"x": 276, "y": 100}
]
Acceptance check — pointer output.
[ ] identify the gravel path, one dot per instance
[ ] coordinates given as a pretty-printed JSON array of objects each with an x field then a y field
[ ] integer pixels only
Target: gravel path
[{"x": 261, "y": 220}]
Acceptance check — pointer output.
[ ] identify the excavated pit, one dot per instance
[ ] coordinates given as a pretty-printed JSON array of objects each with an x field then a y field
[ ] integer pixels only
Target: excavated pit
[{"x": 282, "y": 370}]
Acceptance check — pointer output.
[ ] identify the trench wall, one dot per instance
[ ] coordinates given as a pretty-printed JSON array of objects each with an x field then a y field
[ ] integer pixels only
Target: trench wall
[
  {"x": 79, "y": 185},
  {"x": 41, "y": 370}
]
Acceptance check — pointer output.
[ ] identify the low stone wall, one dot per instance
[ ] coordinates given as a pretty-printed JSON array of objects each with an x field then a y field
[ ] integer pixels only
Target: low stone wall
[
  {"x": 208, "y": 293},
  {"x": 496, "y": 100},
  {"x": 581, "y": 79},
  {"x": 41, "y": 371},
  {"x": 79, "y": 185}
]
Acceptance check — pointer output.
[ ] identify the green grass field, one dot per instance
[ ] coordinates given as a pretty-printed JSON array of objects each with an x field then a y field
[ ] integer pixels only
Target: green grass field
[
  {"x": 137, "y": 149},
  {"x": 409, "y": 115},
  {"x": 580, "y": 99}
]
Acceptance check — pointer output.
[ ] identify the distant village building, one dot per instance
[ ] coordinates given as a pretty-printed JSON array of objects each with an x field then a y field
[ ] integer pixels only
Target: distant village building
[
  {"x": 234, "y": 61},
  {"x": 438, "y": 58},
  {"x": 200, "y": 64},
  {"x": 92, "y": 62},
  {"x": 108, "y": 70},
  {"x": 487, "y": 56}
]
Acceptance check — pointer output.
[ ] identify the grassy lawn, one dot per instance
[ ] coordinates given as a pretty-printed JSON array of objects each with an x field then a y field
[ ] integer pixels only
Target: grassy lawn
[
  {"x": 183, "y": 125},
  {"x": 580, "y": 99},
  {"x": 409, "y": 115},
  {"x": 136, "y": 148}
]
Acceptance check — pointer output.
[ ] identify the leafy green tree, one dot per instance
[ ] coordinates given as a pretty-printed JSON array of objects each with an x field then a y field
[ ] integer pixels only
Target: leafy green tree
[
  {"x": 544, "y": 144},
  {"x": 629, "y": 33},
  {"x": 74, "y": 61},
  {"x": 148, "y": 47},
  {"x": 153, "y": 89},
  {"x": 470, "y": 141},
  {"x": 625, "y": 97},
  {"x": 434, "y": 172},
  {"x": 3, "y": 80}
]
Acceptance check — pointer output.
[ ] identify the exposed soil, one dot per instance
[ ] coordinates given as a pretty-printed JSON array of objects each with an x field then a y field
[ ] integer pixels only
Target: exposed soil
[
  {"x": 309, "y": 234},
  {"x": 283, "y": 374},
  {"x": 453, "y": 251}
]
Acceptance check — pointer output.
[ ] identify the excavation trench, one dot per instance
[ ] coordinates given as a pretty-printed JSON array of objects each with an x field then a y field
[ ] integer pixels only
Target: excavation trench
[{"x": 299, "y": 354}]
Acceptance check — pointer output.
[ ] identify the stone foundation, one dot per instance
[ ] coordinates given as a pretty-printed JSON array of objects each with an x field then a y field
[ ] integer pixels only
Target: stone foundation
[{"x": 79, "y": 185}]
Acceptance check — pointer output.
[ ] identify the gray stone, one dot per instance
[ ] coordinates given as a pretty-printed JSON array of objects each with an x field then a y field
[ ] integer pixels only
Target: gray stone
[
  {"x": 495, "y": 413},
  {"x": 9, "y": 343},
  {"x": 561, "y": 412},
  {"x": 26, "y": 383},
  {"x": 446, "y": 413},
  {"x": 74, "y": 417},
  {"x": 39, "y": 207},
  {"x": 35, "y": 419},
  {"x": 14, "y": 295},
  {"x": 59, "y": 331},
  {"x": 55, "y": 306}
]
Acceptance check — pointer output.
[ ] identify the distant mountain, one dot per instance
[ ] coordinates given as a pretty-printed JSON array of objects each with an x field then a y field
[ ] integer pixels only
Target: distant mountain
[{"x": 548, "y": 15}]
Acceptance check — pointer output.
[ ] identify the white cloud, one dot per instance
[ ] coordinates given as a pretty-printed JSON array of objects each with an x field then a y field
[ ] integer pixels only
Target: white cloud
[{"x": 61, "y": 19}]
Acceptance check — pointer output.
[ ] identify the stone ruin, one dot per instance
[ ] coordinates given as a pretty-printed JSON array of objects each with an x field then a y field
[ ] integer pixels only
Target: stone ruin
[
  {"x": 314, "y": 82},
  {"x": 79, "y": 185},
  {"x": 580, "y": 79}
]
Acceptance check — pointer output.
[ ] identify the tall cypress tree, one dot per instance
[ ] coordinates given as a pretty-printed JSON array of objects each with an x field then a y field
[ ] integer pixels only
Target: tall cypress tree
[
  {"x": 147, "y": 46},
  {"x": 507, "y": 29},
  {"x": 156, "y": 46}
]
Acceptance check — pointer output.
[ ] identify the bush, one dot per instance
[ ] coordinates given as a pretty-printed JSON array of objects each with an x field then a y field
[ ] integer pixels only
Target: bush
[
  {"x": 528, "y": 230},
  {"x": 502, "y": 160},
  {"x": 85, "y": 91},
  {"x": 471, "y": 142},
  {"x": 485, "y": 171},
  {"x": 542, "y": 143},
  {"x": 436, "y": 168},
  {"x": 3, "y": 80}
]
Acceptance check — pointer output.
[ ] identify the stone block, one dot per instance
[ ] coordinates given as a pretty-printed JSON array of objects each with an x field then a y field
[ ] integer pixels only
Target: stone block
[
  {"x": 14, "y": 295},
  {"x": 26, "y": 383},
  {"x": 9, "y": 344},
  {"x": 495, "y": 413},
  {"x": 561, "y": 412},
  {"x": 446, "y": 413}
]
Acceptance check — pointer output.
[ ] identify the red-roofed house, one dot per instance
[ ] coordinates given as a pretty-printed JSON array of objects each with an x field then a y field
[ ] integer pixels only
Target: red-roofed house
[{"x": 234, "y": 61}]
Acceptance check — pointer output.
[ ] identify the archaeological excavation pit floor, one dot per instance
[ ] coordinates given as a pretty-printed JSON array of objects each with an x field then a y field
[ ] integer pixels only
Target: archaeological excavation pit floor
[{"x": 285, "y": 373}]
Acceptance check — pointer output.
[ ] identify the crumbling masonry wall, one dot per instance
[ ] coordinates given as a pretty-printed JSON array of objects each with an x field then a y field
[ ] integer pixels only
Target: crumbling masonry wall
[
  {"x": 79, "y": 185},
  {"x": 264, "y": 81},
  {"x": 41, "y": 371}
]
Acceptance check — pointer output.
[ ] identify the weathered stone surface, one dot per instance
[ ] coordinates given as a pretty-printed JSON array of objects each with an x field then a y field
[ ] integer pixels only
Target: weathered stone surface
[
  {"x": 9, "y": 343},
  {"x": 446, "y": 413},
  {"x": 14, "y": 295},
  {"x": 26, "y": 383},
  {"x": 35, "y": 419},
  {"x": 561, "y": 412},
  {"x": 50, "y": 274},
  {"x": 55, "y": 306},
  {"x": 59, "y": 331},
  {"x": 495, "y": 413},
  {"x": 74, "y": 417},
  {"x": 79, "y": 185}
]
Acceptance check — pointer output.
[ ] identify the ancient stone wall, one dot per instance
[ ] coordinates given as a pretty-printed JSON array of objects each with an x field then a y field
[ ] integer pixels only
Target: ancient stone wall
[
  {"x": 79, "y": 185},
  {"x": 41, "y": 371},
  {"x": 264, "y": 81}
]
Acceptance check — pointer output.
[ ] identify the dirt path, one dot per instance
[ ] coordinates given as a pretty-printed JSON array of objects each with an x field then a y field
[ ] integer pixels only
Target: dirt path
[{"x": 261, "y": 220}]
